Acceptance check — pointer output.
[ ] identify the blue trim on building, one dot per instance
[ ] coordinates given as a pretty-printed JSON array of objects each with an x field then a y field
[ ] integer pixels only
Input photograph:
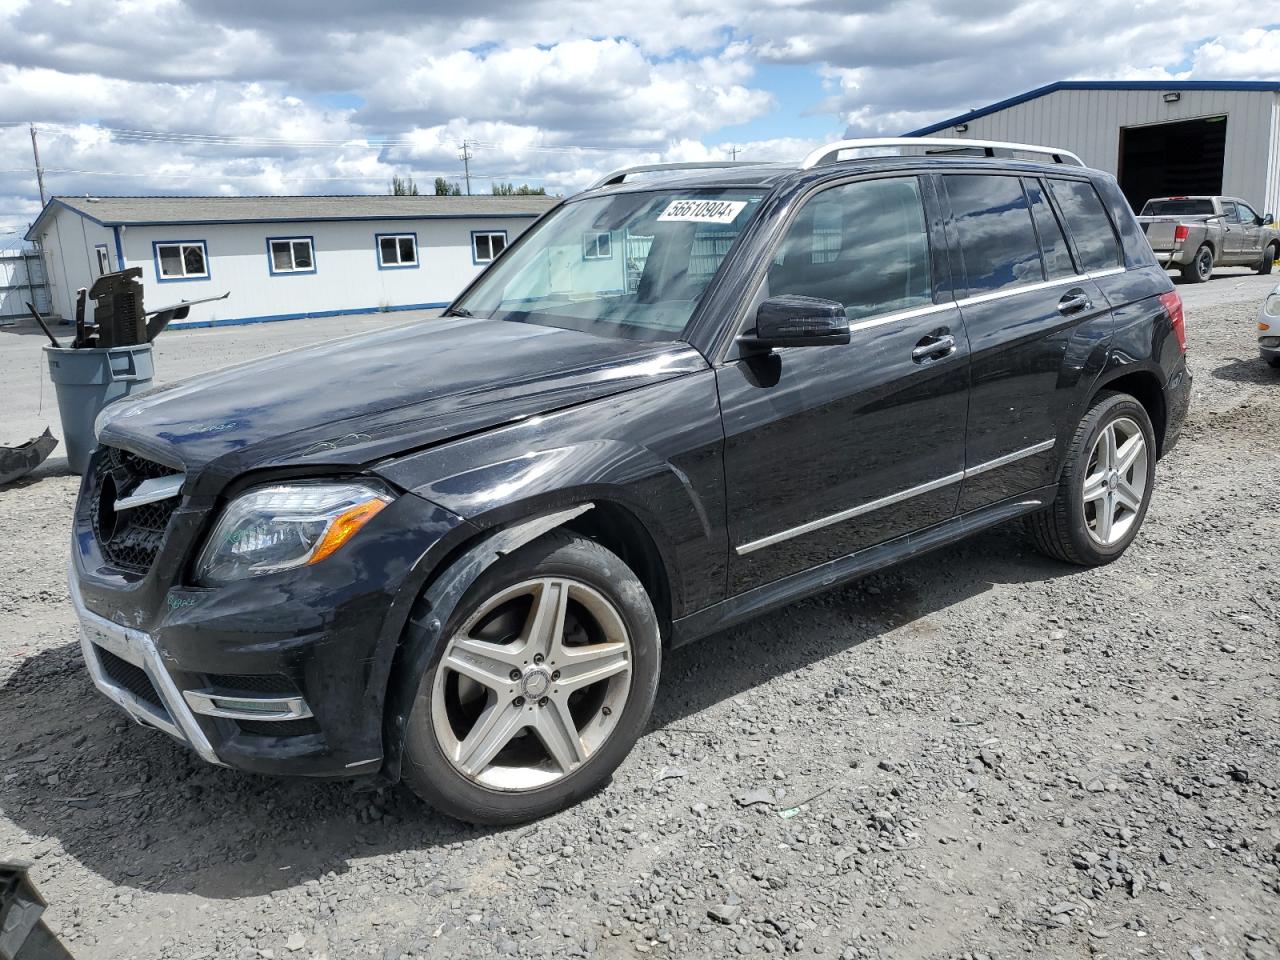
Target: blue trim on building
[
  {"x": 487, "y": 233},
  {"x": 271, "y": 263},
  {"x": 377, "y": 251},
  {"x": 1264, "y": 86},
  {"x": 120, "y": 248},
  {"x": 155, "y": 257},
  {"x": 242, "y": 321}
]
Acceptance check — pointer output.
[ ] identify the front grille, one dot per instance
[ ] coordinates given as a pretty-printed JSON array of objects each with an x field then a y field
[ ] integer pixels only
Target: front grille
[
  {"x": 278, "y": 728},
  {"x": 130, "y": 539},
  {"x": 125, "y": 674}
]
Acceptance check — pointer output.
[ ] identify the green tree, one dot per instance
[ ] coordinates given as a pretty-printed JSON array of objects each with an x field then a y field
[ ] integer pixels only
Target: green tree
[
  {"x": 447, "y": 188},
  {"x": 403, "y": 187},
  {"x": 524, "y": 190}
]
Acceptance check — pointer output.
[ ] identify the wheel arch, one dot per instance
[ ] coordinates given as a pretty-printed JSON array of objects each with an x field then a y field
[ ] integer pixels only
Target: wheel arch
[
  {"x": 1143, "y": 385},
  {"x": 612, "y": 524}
]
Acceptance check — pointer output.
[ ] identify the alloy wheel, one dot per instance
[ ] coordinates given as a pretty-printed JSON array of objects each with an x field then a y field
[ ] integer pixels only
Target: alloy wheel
[
  {"x": 532, "y": 684},
  {"x": 1115, "y": 482}
]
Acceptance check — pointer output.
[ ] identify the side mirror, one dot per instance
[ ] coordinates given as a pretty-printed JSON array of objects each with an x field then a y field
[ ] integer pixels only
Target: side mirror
[
  {"x": 795, "y": 321},
  {"x": 1266, "y": 220}
]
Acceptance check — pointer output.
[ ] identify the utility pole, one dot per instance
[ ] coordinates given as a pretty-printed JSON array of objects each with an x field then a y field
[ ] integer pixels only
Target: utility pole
[
  {"x": 465, "y": 156},
  {"x": 35, "y": 150},
  {"x": 733, "y": 154}
]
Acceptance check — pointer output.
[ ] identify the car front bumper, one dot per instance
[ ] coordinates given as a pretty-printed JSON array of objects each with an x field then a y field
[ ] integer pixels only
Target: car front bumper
[
  {"x": 1269, "y": 351},
  {"x": 281, "y": 674}
]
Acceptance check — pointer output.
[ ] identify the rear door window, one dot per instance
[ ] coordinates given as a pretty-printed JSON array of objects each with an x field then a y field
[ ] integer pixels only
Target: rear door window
[
  {"x": 1091, "y": 228},
  {"x": 1053, "y": 242},
  {"x": 993, "y": 226}
]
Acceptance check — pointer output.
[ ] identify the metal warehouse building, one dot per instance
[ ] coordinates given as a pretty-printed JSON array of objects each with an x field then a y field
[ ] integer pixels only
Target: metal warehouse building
[
  {"x": 279, "y": 257},
  {"x": 1158, "y": 139}
]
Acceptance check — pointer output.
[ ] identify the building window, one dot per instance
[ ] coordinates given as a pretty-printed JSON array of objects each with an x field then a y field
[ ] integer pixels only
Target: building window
[
  {"x": 181, "y": 260},
  {"x": 397, "y": 250},
  {"x": 104, "y": 259},
  {"x": 597, "y": 246},
  {"x": 486, "y": 245},
  {"x": 291, "y": 255}
]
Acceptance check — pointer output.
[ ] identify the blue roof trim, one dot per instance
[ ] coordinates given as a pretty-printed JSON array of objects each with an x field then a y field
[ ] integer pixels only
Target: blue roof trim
[
  {"x": 1266, "y": 86},
  {"x": 30, "y": 235}
]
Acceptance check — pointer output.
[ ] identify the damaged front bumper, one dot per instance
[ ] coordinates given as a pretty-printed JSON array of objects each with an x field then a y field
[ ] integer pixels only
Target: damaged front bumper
[{"x": 280, "y": 674}]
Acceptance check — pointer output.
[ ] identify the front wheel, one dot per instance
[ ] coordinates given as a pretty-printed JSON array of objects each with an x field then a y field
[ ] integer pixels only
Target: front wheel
[
  {"x": 1200, "y": 269},
  {"x": 1268, "y": 259},
  {"x": 1105, "y": 486},
  {"x": 543, "y": 683}
]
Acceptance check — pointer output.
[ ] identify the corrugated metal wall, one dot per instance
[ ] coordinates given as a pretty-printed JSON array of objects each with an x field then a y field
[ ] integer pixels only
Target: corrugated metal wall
[
  {"x": 1088, "y": 122},
  {"x": 21, "y": 280}
]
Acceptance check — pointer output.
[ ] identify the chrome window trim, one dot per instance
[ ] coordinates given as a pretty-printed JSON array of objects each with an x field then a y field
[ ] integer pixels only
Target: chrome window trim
[{"x": 891, "y": 499}]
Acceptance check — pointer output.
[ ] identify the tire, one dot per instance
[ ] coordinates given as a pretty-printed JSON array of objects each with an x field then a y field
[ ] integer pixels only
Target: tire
[
  {"x": 1071, "y": 528},
  {"x": 1200, "y": 269},
  {"x": 503, "y": 611},
  {"x": 1268, "y": 259},
  {"x": 1274, "y": 361}
]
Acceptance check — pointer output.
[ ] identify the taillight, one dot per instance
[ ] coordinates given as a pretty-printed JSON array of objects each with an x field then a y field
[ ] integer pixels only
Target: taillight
[
  {"x": 1173, "y": 303},
  {"x": 1181, "y": 232}
]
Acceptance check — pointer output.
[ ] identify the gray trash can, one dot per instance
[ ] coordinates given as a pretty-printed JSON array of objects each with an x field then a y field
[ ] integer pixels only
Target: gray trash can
[{"x": 86, "y": 381}]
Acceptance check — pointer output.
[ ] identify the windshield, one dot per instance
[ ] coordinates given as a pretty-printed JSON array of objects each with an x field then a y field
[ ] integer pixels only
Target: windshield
[
  {"x": 630, "y": 265},
  {"x": 1178, "y": 208}
]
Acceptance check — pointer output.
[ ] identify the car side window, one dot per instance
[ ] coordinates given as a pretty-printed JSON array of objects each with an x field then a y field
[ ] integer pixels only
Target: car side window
[
  {"x": 1230, "y": 214},
  {"x": 1245, "y": 214},
  {"x": 1053, "y": 242},
  {"x": 1087, "y": 220},
  {"x": 993, "y": 225},
  {"x": 864, "y": 245}
]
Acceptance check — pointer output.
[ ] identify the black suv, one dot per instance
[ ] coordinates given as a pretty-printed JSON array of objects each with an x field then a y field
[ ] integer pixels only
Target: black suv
[{"x": 454, "y": 551}]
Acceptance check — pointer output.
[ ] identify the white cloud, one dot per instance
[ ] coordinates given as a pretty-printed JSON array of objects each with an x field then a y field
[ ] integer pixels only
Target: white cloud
[{"x": 546, "y": 91}]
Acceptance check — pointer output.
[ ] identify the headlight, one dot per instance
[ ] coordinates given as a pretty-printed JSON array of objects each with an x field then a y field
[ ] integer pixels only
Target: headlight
[
  {"x": 286, "y": 525},
  {"x": 1272, "y": 305}
]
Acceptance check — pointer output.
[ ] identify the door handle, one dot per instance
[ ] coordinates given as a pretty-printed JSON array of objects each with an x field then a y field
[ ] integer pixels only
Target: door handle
[
  {"x": 1073, "y": 301},
  {"x": 933, "y": 348}
]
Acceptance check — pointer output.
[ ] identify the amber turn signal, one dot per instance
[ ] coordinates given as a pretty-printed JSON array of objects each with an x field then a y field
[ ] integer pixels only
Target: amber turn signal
[{"x": 345, "y": 526}]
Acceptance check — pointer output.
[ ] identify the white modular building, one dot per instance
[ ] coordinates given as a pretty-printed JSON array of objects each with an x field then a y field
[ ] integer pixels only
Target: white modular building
[
  {"x": 1159, "y": 139},
  {"x": 279, "y": 257}
]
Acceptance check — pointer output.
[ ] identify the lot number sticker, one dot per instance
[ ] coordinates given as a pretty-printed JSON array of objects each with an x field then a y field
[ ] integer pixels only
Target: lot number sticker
[{"x": 702, "y": 211}]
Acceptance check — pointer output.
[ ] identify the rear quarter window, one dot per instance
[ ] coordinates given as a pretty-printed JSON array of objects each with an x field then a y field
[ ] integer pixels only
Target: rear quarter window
[{"x": 1097, "y": 246}]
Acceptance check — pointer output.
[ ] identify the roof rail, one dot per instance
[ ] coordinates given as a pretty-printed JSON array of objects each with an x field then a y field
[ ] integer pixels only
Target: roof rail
[
  {"x": 618, "y": 176},
  {"x": 830, "y": 153}
]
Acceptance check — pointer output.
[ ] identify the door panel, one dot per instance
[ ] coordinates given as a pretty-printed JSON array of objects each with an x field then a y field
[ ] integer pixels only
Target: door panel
[
  {"x": 1036, "y": 321},
  {"x": 832, "y": 449}
]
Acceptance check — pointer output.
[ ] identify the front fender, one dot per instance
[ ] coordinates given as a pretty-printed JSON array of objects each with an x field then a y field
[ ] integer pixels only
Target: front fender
[{"x": 655, "y": 452}]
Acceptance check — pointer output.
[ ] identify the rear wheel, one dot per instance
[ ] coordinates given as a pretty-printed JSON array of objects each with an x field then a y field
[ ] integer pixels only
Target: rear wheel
[
  {"x": 1268, "y": 259},
  {"x": 1105, "y": 486},
  {"x": 544, "y": 681},
  {"x": 1200, "y": 269}
]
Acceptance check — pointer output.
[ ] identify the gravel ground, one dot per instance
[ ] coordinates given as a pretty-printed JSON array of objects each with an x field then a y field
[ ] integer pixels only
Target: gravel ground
[{"x": 982, "y": 753}]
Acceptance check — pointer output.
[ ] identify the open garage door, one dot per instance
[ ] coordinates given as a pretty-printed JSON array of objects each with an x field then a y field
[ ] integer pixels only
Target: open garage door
[{"x": 1172, "y": 159}]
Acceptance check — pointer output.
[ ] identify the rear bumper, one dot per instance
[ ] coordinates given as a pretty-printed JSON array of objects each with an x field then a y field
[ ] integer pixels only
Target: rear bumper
[
  {"x": 1177, "y": 402},
  {"x": 1173, "y": 258}
]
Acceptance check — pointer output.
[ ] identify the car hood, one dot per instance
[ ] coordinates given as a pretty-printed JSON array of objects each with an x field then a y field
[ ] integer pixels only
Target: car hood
[{"x": 359, "y": 399}]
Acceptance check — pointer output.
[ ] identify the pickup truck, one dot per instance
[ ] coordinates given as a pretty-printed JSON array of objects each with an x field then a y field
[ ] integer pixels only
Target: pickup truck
[{"x": 1196, "y": 234}]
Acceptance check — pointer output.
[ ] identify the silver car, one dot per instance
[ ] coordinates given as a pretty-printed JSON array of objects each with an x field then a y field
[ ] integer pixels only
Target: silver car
[{"x": 1269, "y": 328}]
